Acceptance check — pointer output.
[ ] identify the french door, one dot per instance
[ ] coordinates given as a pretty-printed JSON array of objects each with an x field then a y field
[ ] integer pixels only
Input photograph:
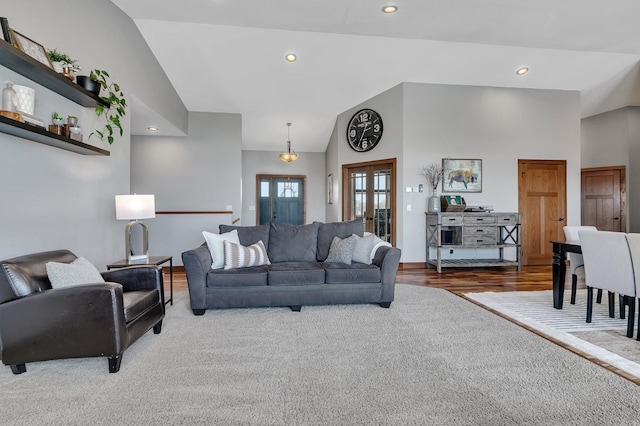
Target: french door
[
  {"x": 369, "y": 194},
  {"x": 280, "y": 199}
]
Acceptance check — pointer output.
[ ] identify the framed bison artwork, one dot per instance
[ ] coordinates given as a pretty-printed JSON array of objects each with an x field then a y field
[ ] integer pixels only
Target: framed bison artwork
[{"x": 461, "y": 175}]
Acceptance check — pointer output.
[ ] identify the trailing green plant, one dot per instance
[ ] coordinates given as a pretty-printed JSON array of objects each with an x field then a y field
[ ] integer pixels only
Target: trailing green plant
[
  {"x": 117, "y": 104},
  {"x": 56, "y": 56}
]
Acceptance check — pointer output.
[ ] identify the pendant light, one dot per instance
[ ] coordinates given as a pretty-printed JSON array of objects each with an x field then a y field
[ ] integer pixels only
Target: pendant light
[{"x": 289, "y": 155}]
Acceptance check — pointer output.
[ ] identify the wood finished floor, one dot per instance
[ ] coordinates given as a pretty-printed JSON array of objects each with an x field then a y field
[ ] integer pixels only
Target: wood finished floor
[{"x": 456, "y": 280}]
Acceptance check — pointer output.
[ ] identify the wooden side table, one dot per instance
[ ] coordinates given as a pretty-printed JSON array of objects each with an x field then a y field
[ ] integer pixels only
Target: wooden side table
[{"x": 153, "y": 261}]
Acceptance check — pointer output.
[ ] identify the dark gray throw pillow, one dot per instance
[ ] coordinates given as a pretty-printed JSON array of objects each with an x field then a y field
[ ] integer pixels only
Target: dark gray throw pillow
[
  {"x": 249, "y": 235},
  {"x": 327, "y": 231},
  {"x": 293, "y": 243}
]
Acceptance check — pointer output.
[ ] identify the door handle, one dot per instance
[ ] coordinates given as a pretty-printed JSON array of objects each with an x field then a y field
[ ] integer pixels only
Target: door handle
[
  {"x": 561, "y": 219},
  {"x": 616, "y": 218}
]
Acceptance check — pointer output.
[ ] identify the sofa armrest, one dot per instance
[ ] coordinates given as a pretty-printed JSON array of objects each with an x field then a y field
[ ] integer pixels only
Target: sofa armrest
[
  {"x": 71, "y": 322},
  {"x": 388, "y": 259},
  {"x": 197, "y": 263},
  {"x": 132, "y": 278}
]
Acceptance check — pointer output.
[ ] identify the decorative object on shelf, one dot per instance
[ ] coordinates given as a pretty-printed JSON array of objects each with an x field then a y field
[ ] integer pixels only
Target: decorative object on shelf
[
  {"x": 91, "y": 85},
  {"x": 12, "y": 115},
  {"x": 6, "y": 30},
  {"x": 26, "y": 99},
  {"x": 461, "y": 175},
  {"x": 9, "y": 97},
  {"x": 364, "y": 130},
  {"x": 57, "y": 119},
  {"x": 117, "y": 104},
  {"x": 289, "y": 155},
  {"x": 72, "y": 120},
  {"x": 433, "y": 174},
  {"x": 31, "y": 48},
  {"x": 133, "y": 208},
  {"x": 330, "y": 188},
  {"x": 61, "y": 60}
]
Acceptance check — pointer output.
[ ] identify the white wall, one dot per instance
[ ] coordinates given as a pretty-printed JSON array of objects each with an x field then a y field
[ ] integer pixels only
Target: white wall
[
  {"x": 200, "y": 172},
  {"x": 58, "y": 199},
  {"x": 424, "y": 123},
  {"x": 309, "y": 164}
]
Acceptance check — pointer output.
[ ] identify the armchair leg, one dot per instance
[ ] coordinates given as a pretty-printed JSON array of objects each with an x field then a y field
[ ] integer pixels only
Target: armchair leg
[
  {"x": 157, "y": 328},
  {"x": 589, "y": 303},
  {"x": 18, "y": 368},
  {"x": 114, "y": 363}
]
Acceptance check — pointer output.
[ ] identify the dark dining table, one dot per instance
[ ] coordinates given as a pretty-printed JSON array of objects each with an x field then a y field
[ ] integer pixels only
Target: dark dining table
[{"x": 560, "y": 250}]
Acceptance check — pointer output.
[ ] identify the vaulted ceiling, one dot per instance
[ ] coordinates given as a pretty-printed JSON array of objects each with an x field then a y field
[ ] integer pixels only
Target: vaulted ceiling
[{"x": 229, "y": 55}]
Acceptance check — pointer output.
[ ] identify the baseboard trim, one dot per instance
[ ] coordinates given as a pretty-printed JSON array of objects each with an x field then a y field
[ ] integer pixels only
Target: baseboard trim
[
  {"x": 412, "y": 265},
  {"x": 176, "y": 268}
]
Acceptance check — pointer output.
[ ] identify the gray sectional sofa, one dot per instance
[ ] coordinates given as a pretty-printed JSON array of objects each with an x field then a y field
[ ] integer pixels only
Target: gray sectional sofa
[{"x": 298, "y": 273}]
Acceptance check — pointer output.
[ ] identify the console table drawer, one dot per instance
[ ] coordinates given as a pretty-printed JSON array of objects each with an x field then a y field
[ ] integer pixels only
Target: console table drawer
[
  {"x": 478, "y": 240},
  {"x": 479, "y": 220},
  {"x": 451, "y": 220},
  {"x": 481, "y": 231},
  {"x": 506, "y": 219}
]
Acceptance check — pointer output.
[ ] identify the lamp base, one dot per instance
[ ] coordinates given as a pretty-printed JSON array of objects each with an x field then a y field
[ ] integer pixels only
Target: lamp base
[{"x": 145, "y": 242}]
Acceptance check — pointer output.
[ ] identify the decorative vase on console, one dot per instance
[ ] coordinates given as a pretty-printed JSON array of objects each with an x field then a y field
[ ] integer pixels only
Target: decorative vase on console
[{"x": 433, "y": 174}]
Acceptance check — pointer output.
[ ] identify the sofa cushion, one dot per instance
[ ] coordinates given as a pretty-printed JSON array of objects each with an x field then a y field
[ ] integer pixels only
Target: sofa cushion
[
  {"x": 80, "y": 271},
  {"x": 249, "y": 234},
  {"x": 293, "y": 243},
  {"x": 138, "y": 302},
  {"x": 216, "y": 246},
  {"x": 341, "y": 250},
  {"x": 237, "y": 256},
  {"x": 326, "y": 232},
  {"x": 296, "y": 273},
  {"x": 243, "y": 277},
  {"x": 339, "y": 273}
]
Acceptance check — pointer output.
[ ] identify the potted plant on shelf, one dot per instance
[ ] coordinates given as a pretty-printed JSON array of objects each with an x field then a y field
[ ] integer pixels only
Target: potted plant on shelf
[
  {"x": 57, "y": 119},
  {"x": 117, "y": 104},
  {"x": 61, "y": 61}
]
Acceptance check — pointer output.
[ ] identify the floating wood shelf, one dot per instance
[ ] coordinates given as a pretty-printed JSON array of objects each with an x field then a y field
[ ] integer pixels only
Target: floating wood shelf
[
  {"x": 40, "y": 135},
  {"x": 25, "y": 65}
]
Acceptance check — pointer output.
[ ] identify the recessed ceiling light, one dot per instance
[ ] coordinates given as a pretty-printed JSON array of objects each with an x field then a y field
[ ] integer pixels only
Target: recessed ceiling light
[
  {"x": 291, "y": 57},
  {"x": 522, "y": 71},
  {"x": 152, "y": 129},
  {"x": 390, "y": 8}
]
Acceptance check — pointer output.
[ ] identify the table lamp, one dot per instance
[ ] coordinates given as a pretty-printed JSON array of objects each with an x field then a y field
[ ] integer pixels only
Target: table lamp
[{"x": 133, "y": 208}]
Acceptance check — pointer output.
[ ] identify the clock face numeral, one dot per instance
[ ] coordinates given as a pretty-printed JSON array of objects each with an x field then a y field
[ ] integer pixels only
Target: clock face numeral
[{"x": 364, "y": 130}]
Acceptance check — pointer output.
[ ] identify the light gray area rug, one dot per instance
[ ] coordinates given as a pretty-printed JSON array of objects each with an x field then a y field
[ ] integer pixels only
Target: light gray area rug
[
  {"x": 604, "y": 338},
  {"x": 433, "y": 358}
]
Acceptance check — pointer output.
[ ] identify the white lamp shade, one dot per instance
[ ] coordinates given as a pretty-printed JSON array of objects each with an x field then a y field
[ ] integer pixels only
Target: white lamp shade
[{"x": 136, "y": 206}]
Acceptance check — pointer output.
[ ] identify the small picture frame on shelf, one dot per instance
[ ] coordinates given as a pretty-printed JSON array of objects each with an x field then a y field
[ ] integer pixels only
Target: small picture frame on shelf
[{"x": 31, "y": 48}]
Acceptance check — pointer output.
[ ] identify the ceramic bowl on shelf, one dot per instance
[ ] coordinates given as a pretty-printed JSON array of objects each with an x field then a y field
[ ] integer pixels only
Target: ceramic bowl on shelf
[
  {"x": 91, "y": 85},
  {"x": 75, "y": 129}
]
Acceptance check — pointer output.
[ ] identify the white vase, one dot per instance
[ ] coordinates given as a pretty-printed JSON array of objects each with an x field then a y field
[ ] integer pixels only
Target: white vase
[{"x": 434, "y": 203}]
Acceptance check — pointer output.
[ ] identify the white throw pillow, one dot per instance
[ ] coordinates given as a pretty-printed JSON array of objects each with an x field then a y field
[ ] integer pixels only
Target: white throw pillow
[
  {"x": 237, "y": 256},
  {"x": 362, "y": 248},
  {"x": 216, "y": 247},
  {"x": 376, "y": 244},
  {"x": 80, "y": 271}
]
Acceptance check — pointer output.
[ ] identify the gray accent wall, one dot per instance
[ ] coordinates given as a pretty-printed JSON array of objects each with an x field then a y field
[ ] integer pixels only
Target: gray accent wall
[
  {"x": 613, "y": 139},
  {"x": 200, "y": 172},
  {"x": 58, "y": 199}
]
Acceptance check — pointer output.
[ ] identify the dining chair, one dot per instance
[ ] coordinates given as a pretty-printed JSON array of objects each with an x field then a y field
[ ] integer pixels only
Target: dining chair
[
  {"x": 575, "y": 259},
  {"x": 608, "y": 266},
  {"x": 633, "y": 239}
]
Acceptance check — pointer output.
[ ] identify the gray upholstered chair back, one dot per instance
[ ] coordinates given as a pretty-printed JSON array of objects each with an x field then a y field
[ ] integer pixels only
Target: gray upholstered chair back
[{"x": 26, "y": 275}]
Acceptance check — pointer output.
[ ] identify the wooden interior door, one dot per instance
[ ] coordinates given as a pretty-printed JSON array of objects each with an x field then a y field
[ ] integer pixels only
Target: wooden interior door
[
  {"x": 542, "y": 187},
  {"x": 369, "y": 194},
  {"x": 604, "y": 198}
]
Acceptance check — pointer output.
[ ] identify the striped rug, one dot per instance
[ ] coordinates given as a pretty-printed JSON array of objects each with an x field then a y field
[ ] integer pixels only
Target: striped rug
[{"x": 604, "y": 339}]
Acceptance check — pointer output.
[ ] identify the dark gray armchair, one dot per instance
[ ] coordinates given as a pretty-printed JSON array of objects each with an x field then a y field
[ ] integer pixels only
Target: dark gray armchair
[{"x": 38, "y": 323}]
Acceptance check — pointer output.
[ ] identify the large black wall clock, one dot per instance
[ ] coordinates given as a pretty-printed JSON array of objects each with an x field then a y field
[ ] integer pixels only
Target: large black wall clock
[{"x": 365, "y": 130}]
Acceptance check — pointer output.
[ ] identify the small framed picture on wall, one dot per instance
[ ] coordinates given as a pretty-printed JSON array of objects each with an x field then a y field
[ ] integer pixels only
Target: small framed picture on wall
[{"x": 461, "y": 175}]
